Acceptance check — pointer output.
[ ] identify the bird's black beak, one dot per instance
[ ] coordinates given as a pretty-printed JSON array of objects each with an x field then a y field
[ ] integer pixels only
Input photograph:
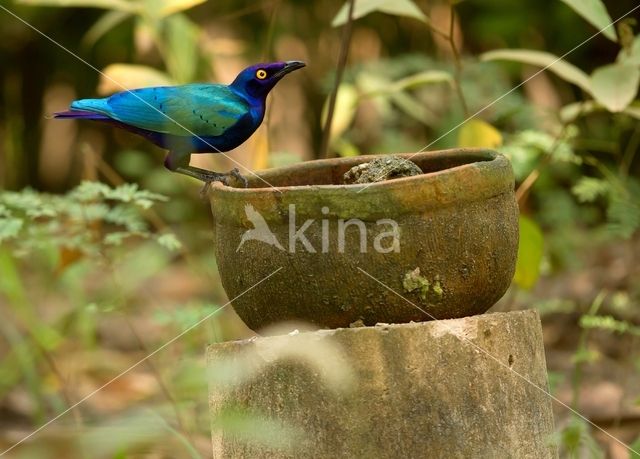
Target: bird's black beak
[{"x": 289, "y": 67}]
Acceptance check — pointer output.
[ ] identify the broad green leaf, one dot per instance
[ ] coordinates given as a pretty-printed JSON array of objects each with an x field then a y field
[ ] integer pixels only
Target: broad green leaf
[
  {"x": 182, "y": 53},
  {"x": 615, "y": 85},
  {"x": 107, "y": 21},
  {"x": 595, "y": 13},
  {"x": 414, "y": 108},
  {"x": 422, "y": 78},
  {"x": 630, "y": 55},
  {"x": 117, "y": 77},
  {"x": 571, "y": 112},
  {"x": 344, "y": 111},
  {"x": 411, "y": 82},
  {"x": 478, "y": 133},
  {"x": 530, "y": 252},
  {"x": 119, "y": 5},
  {"x": 551, "y": 62},
  {"x": 394, "y": 7}
]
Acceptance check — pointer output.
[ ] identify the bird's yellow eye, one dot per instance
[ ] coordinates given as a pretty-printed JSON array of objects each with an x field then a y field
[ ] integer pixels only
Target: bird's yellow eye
[{"x": 261, "y": 74}]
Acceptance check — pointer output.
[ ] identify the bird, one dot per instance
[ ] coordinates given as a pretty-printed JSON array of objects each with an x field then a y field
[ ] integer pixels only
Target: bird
[{"x": 191, "y": 118}]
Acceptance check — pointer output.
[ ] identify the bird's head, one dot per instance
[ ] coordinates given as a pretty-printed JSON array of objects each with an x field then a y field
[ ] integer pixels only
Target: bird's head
[{"x": 257, "y": 80}]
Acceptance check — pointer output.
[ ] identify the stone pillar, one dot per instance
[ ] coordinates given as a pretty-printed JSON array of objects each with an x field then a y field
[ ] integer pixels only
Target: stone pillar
[{"x": 462, "y": 388}]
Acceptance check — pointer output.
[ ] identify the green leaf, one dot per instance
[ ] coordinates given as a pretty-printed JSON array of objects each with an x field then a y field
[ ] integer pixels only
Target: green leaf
[
  {"x": 623, "y": 212},
  {"x": 530, "y": 253},
  {"x": 182, "y": 53},
  {"x": 615, "y": 85},
  {"x": 478, "y": 133},
  {"x": 394, "y": 7},
  {"x": 595, "y": 13},
  {"x": 588, "y": 189},
  {"x": 414, "y": 108},
  {"x": 107, "y": 21},
  {"x": 117, "y": 237},
  {"x": 609, "y": 323},
  {"x": 551, "y": 62},
  {"x": 169, "y": 241},
  {"x": 119, "y": 5},
  {"x": 422, "y": 78},
  {"x": 571, "y": 112},
  {"x": 411, "y": 82},
  {"x": 10, "y": 228}
]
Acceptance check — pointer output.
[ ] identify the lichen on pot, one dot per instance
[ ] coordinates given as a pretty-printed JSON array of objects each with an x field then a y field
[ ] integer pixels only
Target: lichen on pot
[{"x": 345, "y": 250}]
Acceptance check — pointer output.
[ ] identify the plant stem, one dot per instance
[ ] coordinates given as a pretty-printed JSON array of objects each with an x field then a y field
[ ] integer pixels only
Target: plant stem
[
  {"x": 458, "y": 64},
  {"x": 163, "y": 387},
  {"x": 522, "y": 192},
  {"x": 576, "y": 377},
  {"x": 342, "y": 62}
]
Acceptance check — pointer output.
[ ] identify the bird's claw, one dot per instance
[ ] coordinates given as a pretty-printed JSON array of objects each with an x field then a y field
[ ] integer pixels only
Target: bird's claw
[
  {"x": 227, "y": 179},
  {"x": 235, "y": 173},
  {"x": 204, "y": 192}
]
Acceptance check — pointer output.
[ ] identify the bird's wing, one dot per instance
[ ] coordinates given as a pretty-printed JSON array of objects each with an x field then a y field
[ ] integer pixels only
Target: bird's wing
[{"x": 200, "y": 109}]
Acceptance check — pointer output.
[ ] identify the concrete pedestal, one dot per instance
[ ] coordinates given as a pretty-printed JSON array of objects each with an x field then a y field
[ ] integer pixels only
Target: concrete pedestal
[{"x": 463, "y": 388}]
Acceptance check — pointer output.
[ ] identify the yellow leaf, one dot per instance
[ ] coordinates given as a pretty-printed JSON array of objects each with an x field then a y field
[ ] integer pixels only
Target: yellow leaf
[
  {"x": 478, "y": 133},
  {"x": 260, "y": 148},
  {"x": 530, "y": 251},
  {"x": 344, "y": 112},
  {"x": 170, "y": 7},
  {"x": 118, "y": 77}
]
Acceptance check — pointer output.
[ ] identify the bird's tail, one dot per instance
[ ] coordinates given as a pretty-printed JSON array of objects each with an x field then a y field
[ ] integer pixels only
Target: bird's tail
[{"x": 80, "y": 114}]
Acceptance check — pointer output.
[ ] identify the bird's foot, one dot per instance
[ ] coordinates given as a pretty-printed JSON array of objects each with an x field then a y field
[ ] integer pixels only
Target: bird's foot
[
  {"x": 204, "y": 192},
  {"x": 235, "y": 173},
  {"x": 229, "y": 179}
]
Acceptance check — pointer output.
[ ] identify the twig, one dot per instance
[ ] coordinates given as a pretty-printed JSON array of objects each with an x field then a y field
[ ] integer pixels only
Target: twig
[
  {"x": 458, "y": 64},
  {"x": 522, "y": 192},
  {"x": 342, "y": 62},
  {"x": 161, "y": 383}
]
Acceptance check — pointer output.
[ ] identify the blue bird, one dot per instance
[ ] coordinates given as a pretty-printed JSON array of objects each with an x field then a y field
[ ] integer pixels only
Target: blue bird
[{"x": 193, "y": 118}]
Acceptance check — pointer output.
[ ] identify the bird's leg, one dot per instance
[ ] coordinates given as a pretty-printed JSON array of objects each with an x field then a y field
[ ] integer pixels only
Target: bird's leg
[{"x": 178, "y": 162}]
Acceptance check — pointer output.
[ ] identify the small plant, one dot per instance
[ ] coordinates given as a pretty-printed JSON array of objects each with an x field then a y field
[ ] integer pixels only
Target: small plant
[{"x": 86, "y": 220}]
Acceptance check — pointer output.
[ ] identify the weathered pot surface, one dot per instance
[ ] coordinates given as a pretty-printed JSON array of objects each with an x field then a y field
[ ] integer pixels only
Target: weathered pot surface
[{"x": 438, "y": 245}]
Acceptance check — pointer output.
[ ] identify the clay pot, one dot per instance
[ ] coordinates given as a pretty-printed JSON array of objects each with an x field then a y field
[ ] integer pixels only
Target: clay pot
[{"x": 438, "y": 245}]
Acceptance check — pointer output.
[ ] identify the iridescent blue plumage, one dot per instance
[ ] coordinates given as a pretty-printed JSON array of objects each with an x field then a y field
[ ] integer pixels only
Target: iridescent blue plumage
[{"x": 194, "y": 118}]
